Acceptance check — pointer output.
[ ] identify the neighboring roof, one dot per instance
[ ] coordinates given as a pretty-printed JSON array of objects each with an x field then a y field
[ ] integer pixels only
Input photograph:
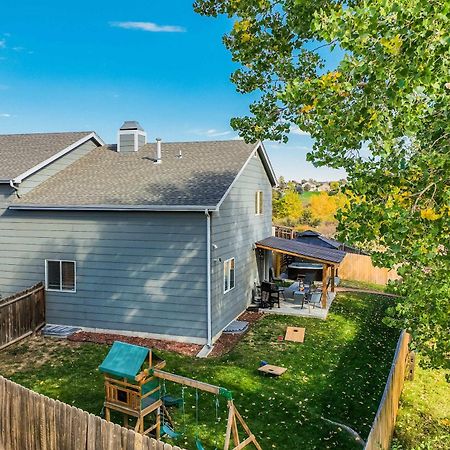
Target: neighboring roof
[
  {"x": 306, "y": 251},
  {"x": 23, "y": 154},
  {"x": 107, "y": 179},
  {"x": 314, "y": 238},
  {"x": 124, "y": 360},
  {"x": 310, "y": 236}
]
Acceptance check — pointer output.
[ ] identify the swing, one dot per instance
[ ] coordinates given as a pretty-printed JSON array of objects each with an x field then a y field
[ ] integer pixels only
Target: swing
[
  {"x": 166, "y": 429},
  {"x": 198, "y": 443}
]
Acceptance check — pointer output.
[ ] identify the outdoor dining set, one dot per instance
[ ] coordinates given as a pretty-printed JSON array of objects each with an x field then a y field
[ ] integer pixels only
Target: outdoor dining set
[{"x": 302, "y": 292}]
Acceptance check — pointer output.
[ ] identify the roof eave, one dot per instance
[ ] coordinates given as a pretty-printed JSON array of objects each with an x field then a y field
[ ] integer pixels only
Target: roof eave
[
  {"x": 156, "y": 208},
  {"x": 267, "y": 165},
  {"x": 18, "y": 179}
]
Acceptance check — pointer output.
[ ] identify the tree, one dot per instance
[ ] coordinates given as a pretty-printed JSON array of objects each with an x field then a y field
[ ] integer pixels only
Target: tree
[
  {"x": 289, "y": 206},
  {"x": 382, "y": 114},
  {"x": 323, "y": 206}
]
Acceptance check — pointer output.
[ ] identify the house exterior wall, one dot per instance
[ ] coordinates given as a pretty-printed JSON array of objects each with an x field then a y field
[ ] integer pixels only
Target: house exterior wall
[
  {"x": 136, "y": 272},
  {"x": 234, "y": 230},
  {"x": 56, "y": 166}
]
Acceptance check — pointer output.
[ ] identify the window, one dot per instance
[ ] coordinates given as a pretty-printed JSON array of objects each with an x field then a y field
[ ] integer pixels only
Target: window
[
  {"x": 258, "y": 203},
  {"x": 228, "y": 275},
  {"x": 60, "y": 275}
]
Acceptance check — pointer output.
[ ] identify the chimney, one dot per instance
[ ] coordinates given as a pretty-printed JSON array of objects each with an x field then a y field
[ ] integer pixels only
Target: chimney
[
  {"x": 158, "y": 151},
  {"x": 131, "y": 137}
]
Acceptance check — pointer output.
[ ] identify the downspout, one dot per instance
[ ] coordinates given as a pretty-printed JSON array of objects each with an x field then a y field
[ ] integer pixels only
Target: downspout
[
  {"x": 208, "y": 278},
  {"x": 11, "y": 183}
]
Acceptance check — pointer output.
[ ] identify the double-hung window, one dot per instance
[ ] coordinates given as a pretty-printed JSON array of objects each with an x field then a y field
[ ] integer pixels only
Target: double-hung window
[
  {"x": 60, "y": 275},
  {"x": 228, "y": 275},
  {"x": 258, "y": 203}
]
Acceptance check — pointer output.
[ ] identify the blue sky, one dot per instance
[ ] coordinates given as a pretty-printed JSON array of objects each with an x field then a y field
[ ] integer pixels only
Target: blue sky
[{"x": 90, "y": 65}]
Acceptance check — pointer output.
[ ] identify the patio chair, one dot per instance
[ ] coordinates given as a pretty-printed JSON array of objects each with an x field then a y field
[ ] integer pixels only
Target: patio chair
[{"x": 315, "y": 299}]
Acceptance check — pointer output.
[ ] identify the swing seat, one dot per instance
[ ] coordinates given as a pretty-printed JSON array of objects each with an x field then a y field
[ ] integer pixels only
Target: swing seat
[
  {"x": 168, "y": 400},
  {"x": 167, "y": 430},
  {"x": 199, "y": 444}
]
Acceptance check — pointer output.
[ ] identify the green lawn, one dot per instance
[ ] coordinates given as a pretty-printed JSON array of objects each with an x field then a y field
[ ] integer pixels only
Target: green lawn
[
  {"x": 306, "y": 196},
  {"x": 423, "y": 421},
  {"x": 363, "y": 285},
  {"x": 339, "y": 373}
]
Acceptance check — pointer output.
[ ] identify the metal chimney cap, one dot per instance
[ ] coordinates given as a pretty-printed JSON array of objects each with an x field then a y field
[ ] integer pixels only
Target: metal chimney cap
[{"x": 131, "y": 125}]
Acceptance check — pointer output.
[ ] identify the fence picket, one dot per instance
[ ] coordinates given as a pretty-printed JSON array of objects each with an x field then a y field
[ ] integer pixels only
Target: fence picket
[
  {"x": 380, "y": 435},
  {"x": 21, "y": 315},
  {"x": 32, "y": 421}
]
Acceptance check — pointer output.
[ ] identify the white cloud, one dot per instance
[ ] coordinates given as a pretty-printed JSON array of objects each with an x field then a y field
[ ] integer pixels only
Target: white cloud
[
  {"x": 296, "y": 130},
  {"x": 148, "y": 26},
  {"x": 5, "y": 115},
  {"x": 212, "y": 132},
  {"x": 2, "y": 43}
]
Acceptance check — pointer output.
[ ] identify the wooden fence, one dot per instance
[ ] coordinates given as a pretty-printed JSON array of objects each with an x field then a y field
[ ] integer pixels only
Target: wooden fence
[
  {"x": 30, "y": 421},
  {"x": 21, "y": 314},
  {"x": 380, "y": 435},
  {"x": 360, "y": 268}
]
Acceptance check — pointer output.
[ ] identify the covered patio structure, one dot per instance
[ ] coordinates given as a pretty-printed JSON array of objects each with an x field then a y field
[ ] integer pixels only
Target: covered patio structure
[{"x": 273, "y": 248}]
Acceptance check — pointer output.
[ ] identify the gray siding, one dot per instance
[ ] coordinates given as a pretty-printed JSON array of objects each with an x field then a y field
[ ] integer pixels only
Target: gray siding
[
  {"x": 234, "y": 230},
  {"x": 56, "y": 166},
  {"x": 138, "y": 272}
]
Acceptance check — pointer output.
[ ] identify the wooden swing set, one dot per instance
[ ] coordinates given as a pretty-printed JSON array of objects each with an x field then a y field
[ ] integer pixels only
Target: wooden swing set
[{"x": 132, "y": 387}]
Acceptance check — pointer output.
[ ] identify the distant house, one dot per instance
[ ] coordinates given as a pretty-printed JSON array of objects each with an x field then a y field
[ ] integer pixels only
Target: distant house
[
  {"x": 324, "y": 187},
  {"x": 153, "y": 239}
]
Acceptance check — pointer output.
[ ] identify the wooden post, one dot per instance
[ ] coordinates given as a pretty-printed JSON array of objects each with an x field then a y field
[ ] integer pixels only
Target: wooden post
[
  {"x": 324, "y": 285},
  {"x": 333, "y": 274},
  {"x": 277, "y": 264}
]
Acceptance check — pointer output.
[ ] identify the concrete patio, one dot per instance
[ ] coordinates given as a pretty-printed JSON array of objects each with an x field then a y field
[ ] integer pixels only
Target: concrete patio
[{"x": 289, "y": 307}]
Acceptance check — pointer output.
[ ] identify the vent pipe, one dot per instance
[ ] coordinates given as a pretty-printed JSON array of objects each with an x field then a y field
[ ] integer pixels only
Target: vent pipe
[{"x": 158, "y": 151}]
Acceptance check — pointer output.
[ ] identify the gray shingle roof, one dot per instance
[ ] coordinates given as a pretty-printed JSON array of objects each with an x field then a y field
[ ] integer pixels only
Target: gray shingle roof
[
  {"x": 105, "y": 177},
  {"x": 21, "y": 152},
  {"x": 303, "y": 250}
]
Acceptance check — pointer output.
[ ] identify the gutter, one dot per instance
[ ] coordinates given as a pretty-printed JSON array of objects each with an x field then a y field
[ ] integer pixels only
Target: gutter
[
  {"x": 11, "y": 183},
  {"x": 208, "y": 279},
  {"x": 175, "y": 208}
]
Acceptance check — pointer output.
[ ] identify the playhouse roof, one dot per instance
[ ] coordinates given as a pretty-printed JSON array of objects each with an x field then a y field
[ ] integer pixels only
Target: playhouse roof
[{"x": 124, "y": 360}]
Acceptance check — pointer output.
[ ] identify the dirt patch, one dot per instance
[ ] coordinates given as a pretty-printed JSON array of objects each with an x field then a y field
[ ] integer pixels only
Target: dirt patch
[
  {"x": 226, "y": 342},
  {"x": 107, "y": 338},
  {"x": 32, "y": 352}
]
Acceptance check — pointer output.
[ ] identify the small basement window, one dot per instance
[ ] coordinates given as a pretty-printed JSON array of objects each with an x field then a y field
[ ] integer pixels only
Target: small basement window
[
  {"x": 228, "y": 275},
  {"x": 258, "y": 203},
  {"x": 60, "y": 275}
]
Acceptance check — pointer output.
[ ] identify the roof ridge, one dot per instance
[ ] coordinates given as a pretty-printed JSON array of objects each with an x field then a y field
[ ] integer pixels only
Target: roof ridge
[{"x": 47, "y": 133}]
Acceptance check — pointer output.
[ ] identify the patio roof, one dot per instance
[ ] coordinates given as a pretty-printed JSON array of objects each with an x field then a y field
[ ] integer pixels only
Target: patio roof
[{"x": 306, "y": 251}]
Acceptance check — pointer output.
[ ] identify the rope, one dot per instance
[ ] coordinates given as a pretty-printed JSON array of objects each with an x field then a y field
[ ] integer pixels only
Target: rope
[
  {"x": 162, "y": 395},
  {"x": 196, "y": 407},
  {"x": 183, "y": 410},
  {"x": 216, "y": 405}
]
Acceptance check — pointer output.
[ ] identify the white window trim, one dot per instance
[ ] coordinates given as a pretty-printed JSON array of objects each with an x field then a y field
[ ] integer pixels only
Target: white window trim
[
  {"x": 258, "y": 196},
  {"x": 60, "y": 276},
  {"x": 229, "y": 273}
]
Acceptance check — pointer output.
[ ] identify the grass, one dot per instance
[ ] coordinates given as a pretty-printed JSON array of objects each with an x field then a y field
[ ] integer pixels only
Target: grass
[
  {"x": 363, "y": 285},
  {"x": 306, "y": 196},
  {"x": 339, "y": 373},
  {"x": 423, "y": 421}
]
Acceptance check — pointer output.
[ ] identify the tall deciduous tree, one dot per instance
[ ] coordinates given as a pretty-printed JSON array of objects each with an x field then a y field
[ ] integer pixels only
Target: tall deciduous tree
[{"x": 382, "y": 114}]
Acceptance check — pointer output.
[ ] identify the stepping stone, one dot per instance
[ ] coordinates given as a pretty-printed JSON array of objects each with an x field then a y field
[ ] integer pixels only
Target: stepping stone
[
  {"x": 61, "y": 331},
  {"x": 237, "y": 326}
]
